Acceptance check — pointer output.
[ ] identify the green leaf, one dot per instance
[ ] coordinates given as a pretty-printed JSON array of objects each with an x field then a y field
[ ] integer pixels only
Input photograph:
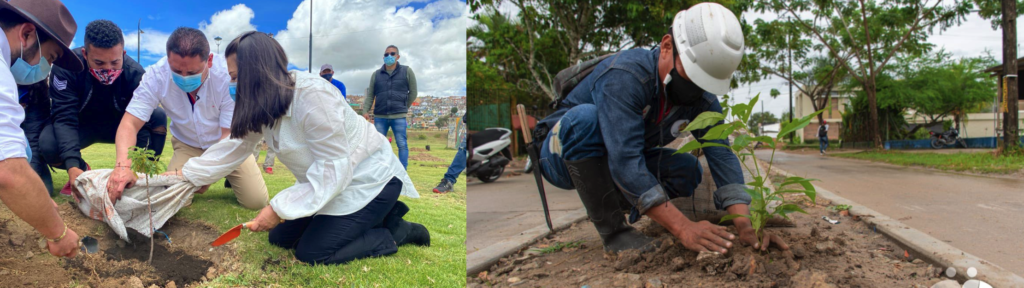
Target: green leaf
[
  {"x": 739, "y": 110},
  {"x": 720, "y": 131},
  {"x": 740, "y": 142},
  {"x": 797, "y": 124},
  {"x": 704, "y": 120},
  {"x": 689, "y": 146},
  {"x": 764, "y": 139},
  {"x": 788, "y": 208},
  {"x": 732, "y": 216},
  {"x": 755, "y": 195},
  {"x": 712, "y": 144}
]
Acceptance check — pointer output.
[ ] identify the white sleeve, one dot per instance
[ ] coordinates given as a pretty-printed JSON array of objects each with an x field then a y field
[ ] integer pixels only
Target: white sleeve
[
  {"x": 145, "y": 99},
  {"x": 12, "y": 138},
  {"x": 227, "y": 106},
  {"x": 219, "y": 160},
  {"x": 331, "y": 172}
]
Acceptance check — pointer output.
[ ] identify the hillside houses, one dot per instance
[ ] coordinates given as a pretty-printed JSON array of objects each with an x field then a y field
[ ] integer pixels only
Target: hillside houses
[{"x": 425, "y": 110}]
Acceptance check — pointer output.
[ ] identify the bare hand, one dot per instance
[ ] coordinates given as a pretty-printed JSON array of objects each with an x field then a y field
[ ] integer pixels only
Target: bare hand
[
  {"x": 66, "y": 247},
  {"x": 266, "y": 220},
  {"x": 748, "y": 237},
  {"x": 704, "y": 236},
  {"x": 73, "y": 174},
  {"x": 203, "y": 189},
  {"x": 367, "y": 116},
  {"x": 122, "y": 178},
  {"x": 173, "y": 173}
]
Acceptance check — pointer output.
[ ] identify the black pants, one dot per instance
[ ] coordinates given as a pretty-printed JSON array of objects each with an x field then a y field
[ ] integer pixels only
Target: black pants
[
  {"x": 47, "y": 150},
  {"x": 324, "y": 239}
]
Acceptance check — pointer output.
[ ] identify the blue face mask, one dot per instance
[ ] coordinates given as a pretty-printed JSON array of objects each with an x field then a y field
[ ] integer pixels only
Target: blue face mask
[
  {"x": 25, "y": 74},
  {"x": 389, "y": 60},
  {"x": 188, "y": 83},
  {"x": 231, "y": 89}
]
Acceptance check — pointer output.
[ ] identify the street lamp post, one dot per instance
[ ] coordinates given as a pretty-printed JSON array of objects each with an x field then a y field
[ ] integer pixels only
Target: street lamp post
[{"x": 218, "y": 43}]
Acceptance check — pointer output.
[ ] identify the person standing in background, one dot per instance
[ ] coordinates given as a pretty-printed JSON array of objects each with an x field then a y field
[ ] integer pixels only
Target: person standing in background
[
  {"x": 823, "y": 136},
  {"x": 327, "y": 72},
  {"x": 394, "y": 88}
]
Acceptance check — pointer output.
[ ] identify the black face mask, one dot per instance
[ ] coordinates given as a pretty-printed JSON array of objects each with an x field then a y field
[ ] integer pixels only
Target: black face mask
[{"x": 682, "y": 92}]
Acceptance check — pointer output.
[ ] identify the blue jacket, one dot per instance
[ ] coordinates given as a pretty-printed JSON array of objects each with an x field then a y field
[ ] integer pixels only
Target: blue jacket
[
  {"x": 341, "y": 86},
  {"x": 391, "y": 91},
  {"x": 625, "y": 89}
]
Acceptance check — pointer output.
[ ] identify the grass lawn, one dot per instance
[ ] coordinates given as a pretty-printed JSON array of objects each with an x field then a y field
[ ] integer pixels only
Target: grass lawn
[
  {"x": 443, "y": 264},
  {"x": 982, "y": 162}
]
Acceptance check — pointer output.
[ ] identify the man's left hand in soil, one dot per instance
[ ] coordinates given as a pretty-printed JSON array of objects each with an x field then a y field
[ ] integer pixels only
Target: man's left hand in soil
[{"x": 748, "y": 236}]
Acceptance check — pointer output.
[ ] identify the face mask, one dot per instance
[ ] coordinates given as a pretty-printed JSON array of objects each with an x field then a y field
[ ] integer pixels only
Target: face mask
[
  {"x": 681, "y": 92},
  {"x": 25, "y": 74},
  {"x": 188, "y": 83},
  {"x": 105, "y": 76},
  {"x": 231, "y": 90},
  {"x": 327, "y": 76},
  {"x": 389, "y": 60}
]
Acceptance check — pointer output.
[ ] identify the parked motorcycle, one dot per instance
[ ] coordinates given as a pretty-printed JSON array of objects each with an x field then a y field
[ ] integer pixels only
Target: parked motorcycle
[
  {"x": 951, "y": 137},
  {"x": 489, "y": 153}
]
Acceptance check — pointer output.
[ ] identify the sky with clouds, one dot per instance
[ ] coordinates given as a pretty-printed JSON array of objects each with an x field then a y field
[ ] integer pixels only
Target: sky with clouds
[
  {"x": 972, "y": 38},
  {"x": 350, "y": 35}
]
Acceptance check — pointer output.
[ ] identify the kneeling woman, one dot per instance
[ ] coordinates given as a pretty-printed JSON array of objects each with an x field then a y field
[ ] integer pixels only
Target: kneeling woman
[{"x": 344, "y": 205}]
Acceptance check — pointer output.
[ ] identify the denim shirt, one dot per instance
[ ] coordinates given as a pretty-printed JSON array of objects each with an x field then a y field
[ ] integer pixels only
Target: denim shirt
[{"x": 625, "y": 89}]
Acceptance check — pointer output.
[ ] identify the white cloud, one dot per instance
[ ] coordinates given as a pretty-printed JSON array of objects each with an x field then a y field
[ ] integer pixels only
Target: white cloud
[
  {"x": 228, "y": 24},
  {"x": 352, "y": 36},
  {"x": 153, "y": 41}
]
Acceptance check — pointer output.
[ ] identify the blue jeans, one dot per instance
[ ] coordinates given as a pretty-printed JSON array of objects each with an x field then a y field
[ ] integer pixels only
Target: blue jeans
[
  {"x": 326, "y": 239},
  {"x": 823, "y": 143},
  {"x": 458, "y": 164},
  {"x": 398, "y": 126},
  {"x": 580, "y": 137}
]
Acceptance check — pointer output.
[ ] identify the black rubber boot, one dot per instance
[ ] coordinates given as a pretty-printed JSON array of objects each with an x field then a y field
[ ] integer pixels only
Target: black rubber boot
[
  {"x": 603, "y": 200},
  {"x": 406, "y": 232}
]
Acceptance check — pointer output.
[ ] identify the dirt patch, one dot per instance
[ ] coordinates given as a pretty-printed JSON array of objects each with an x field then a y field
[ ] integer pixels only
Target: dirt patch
[
  {"x": 186, "y": 259},
  {"x": 426, "y": 157},
  {"x": 417, "y": 150},
  {"x": 849, "y": 254}
]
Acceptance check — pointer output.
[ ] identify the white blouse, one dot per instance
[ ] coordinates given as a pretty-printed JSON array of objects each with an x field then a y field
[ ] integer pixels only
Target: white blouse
[{"x": 339, "y": 160}]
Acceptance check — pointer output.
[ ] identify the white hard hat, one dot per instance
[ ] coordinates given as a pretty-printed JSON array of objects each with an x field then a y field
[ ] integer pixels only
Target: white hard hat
[{"x": 710, "y": 44}]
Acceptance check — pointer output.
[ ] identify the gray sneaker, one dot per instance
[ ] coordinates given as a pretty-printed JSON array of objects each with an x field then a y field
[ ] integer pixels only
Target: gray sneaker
[{"x": 443, "y": 187}]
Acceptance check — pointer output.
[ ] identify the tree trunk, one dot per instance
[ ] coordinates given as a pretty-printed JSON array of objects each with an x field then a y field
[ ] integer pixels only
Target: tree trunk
[
  {"x": 876, "y": 136},
  {"x": 1010, "y": 68}
]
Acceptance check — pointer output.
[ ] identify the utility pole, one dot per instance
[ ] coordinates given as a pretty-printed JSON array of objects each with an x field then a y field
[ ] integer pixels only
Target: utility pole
[
  {"x": 138, "y": 49},
  {"x": 789, "y": 47},
  {"x": 310, "y": 36},
  {"x": 761, "y": 129},
  {"x": 1010, "y": 72}
]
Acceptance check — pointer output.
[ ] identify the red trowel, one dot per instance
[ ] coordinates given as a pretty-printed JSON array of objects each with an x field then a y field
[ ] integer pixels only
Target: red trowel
[{"x": 230, "y": 235}]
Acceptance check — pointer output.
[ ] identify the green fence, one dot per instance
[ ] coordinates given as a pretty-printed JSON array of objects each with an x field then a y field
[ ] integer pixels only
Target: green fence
[{"x": 489, "y": 116}]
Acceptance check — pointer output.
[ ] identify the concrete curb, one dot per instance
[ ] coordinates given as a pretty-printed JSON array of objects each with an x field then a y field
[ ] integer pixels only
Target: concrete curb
[
  {"x": 931, "y": 249},
  {"x": 482, "y": 259}
]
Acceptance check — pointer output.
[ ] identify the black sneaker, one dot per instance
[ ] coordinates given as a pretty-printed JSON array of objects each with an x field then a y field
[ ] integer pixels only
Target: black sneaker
[{"x": 443, "y": 187}]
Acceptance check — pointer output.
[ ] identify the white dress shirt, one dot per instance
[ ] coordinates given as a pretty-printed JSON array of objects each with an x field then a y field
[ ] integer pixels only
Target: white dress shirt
[
  {"x": 12, "y": 138},
  {"x": 339, "y": 160},
  {"x": 197, "y": 126}
]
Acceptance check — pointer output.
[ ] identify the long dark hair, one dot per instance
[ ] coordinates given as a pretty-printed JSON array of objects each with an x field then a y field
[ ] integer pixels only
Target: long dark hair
[{"x": 265, "y": 87}]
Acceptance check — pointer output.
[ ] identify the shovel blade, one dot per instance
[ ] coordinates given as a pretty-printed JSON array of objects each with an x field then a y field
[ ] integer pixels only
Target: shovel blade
[
  {"x": 90, "y": 245},
  {"x": 227, "y": 236}
]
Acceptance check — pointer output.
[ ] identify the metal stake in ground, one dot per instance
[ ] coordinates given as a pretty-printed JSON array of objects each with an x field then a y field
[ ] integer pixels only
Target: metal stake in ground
[{"x": 534, "y": 154}]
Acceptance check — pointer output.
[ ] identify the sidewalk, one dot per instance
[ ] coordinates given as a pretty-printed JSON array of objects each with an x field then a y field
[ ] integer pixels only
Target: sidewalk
[
  {"x": 979, "y": 215},
  {"x": 507, "y": 207}
]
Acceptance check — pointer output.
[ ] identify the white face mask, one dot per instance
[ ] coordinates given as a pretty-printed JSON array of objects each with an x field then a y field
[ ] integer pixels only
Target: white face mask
[{"x": 25, "y": 74}]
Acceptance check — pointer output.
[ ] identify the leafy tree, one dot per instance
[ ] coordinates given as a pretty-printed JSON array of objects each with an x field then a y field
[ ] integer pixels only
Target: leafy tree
[
  {"x": 455, "y": 110},
  {"x": 993, "y": 10},
  {"x": 940, "y": 87},
  {"x": 441, "y": 121},
  {"x": 761, "y": 118},
  {"x": 873, "y": 31}
]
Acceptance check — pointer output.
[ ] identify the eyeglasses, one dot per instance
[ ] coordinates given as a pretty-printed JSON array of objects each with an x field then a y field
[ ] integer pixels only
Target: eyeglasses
[{"x": 392, "y": 54}]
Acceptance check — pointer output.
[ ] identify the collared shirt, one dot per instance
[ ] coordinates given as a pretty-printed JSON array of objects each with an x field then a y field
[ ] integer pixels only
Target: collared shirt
[
  {"x": 12, "y": 138},
  {"x": 196, "y": 125},
  {"x": 339, "y": 160}
]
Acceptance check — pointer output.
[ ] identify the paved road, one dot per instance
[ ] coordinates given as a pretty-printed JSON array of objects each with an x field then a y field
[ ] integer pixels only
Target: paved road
[
  {"x": 981, "y": 215},
  {"x": 509, "y": 206}
]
